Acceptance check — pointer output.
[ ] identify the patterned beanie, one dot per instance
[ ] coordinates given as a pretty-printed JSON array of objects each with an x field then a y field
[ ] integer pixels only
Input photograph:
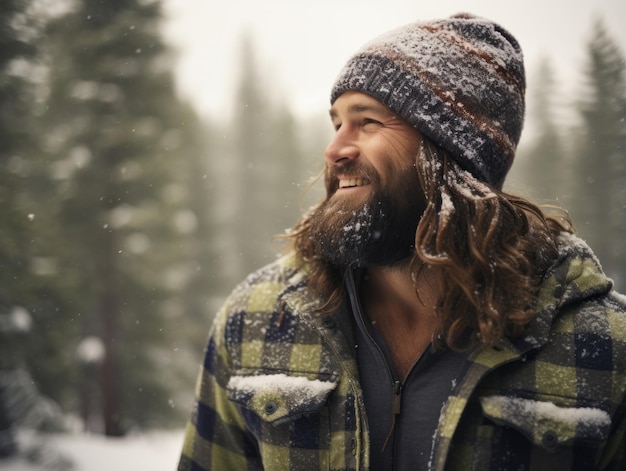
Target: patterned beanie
[{"x": 459, "y": 81}]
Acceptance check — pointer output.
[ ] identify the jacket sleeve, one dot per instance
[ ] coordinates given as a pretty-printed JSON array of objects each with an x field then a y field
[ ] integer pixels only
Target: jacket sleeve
[{"x": 217, "y": 437}]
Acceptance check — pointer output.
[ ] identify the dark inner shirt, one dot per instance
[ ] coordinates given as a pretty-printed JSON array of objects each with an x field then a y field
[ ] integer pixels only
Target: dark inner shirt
[{"x": 422, "y": 395}]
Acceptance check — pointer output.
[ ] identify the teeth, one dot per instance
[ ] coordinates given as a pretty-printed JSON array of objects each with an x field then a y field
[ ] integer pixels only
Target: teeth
[{"x": 349, "y": 182}]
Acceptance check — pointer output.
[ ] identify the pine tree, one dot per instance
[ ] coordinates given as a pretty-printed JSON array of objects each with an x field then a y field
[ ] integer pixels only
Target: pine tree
[
  {"x": 262, "y": 169},
  {"x": 250, "y": 144},
  {"x": 16, "y": 119},
  {"x": 540, "y": 164},
  {"x": 18, "y": 136},
  {"x": 122, "y": 149},
  {"x": 23, "y": 293},
  {"x": 600, "y": 153},
  {"x": 13, "y": 115}
]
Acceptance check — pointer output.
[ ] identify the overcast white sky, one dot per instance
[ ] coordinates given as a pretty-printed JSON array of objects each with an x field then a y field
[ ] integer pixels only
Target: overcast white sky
[{"x": 302, "y": 45}]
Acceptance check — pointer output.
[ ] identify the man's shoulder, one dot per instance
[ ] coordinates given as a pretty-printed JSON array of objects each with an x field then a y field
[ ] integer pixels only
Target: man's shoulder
[
  {"x": 590, "y": 334},
  {"x": 579, "y": 312},
  {"x": 585, "y": 296},
  {"x": 575, "y": 281},
  {"x": 266, "y": 288},
  {"x": 271, "y": 307},
  {"x": 599, "y": 317}
]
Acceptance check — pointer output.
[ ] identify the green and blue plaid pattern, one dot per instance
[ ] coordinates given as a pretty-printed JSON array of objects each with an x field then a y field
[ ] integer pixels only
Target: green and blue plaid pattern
[{"x": 279, "y": 387}]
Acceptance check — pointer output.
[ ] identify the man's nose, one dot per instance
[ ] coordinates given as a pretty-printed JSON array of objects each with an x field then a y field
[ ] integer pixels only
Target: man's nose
[{"x": 342, "y": 149}]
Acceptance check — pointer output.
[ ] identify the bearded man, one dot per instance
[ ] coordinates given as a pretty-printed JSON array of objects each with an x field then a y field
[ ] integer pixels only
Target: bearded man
[{"x": 424, "y": 319}]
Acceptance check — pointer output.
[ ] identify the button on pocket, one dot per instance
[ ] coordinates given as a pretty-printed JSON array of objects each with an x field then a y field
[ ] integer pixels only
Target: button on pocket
[
  {"x": 270, "y": 407},
  {"x": 550, "y": 439},
  {"x": 278, "y": 398},
  {"x": 547, "y": 424}
]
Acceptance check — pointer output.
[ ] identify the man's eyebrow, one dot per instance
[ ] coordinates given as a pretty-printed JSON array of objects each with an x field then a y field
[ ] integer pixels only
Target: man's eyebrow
[{"x": 360, "y": 108}]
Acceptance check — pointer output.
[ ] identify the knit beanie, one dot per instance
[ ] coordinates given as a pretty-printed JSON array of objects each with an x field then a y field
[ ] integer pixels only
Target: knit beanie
[{"x": 459, "y": 81}]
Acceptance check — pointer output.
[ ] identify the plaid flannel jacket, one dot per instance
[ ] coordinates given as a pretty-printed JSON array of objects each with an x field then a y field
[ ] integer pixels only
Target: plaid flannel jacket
[{"x": 279, "y": 387}]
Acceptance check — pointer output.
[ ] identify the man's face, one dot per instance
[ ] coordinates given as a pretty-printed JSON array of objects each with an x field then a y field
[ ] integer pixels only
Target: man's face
[{"x": 373, "y": 201}]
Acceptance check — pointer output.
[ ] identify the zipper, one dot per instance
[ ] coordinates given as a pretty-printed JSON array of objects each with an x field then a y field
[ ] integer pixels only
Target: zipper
[
  {"x": 397, "y": 397},
  {"x": 396, "y": 383},
  {"x": 396, "y": 406}
]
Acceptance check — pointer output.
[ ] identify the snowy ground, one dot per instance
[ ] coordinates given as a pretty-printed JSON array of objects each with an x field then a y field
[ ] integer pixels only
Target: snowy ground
[{"x": 157, "y": 451}]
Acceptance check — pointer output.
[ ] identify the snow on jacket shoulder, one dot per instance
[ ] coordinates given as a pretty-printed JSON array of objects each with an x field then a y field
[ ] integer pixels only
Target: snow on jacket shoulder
[{"x": 279, "y": 385}]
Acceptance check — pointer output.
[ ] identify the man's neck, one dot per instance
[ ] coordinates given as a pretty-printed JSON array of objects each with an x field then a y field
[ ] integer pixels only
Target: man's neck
[
  {"x": 402, "y": 310},
  {"x": 395, "y": 287}
]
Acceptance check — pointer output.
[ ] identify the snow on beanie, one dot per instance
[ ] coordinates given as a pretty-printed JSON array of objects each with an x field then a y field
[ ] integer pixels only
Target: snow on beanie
[{"x": 460, "y": 81}]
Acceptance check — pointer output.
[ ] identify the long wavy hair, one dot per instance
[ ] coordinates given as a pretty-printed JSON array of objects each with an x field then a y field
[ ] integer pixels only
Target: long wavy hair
[{"x": 491, "y": 250}]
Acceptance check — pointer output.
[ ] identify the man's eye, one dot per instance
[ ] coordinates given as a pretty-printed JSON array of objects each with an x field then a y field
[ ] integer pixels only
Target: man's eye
[{"x": 367, "y": 121}]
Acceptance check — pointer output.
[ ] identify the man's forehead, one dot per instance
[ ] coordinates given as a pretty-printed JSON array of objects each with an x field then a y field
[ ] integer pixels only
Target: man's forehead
[{"x": 357, "y": 102}]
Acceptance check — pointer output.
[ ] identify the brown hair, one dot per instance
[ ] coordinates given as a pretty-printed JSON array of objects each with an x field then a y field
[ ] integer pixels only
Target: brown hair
[{"x": 491, "y": 250}]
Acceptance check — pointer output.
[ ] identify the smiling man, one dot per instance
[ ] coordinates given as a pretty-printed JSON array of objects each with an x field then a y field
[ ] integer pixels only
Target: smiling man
[
  {"x": 372, "y": 210},
  {"x": 424, "y": 319}
]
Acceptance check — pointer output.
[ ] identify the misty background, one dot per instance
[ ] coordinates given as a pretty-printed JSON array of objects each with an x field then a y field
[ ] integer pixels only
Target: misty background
[{"x": 152, "y": 149}]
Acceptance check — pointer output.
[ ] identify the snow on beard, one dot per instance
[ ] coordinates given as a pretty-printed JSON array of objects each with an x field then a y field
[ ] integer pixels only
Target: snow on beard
[{"x": 377, "y": 232}]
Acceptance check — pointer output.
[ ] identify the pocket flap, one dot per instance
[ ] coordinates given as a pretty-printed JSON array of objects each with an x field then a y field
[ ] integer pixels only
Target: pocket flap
[
  {"x": 277, "y": 397},
  {"x": 547, "y": 424}
]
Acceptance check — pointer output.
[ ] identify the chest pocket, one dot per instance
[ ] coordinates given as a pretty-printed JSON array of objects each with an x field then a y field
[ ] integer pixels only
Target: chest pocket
[
  {"x": 287, "y": 417},
  {"x": 546, "y": 424},
  {"x": 276, "y": 398},
  {"x": 525, "y": 434}
]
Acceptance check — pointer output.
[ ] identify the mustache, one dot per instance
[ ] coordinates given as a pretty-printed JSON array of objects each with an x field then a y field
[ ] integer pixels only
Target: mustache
[{"x": 350, "y": 170}]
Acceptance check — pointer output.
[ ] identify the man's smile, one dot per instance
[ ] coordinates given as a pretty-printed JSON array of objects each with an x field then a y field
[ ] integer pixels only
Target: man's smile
[{"x": 352, "y": 182}]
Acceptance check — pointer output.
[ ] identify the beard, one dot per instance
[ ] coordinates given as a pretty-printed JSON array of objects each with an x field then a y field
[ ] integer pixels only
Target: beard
[{"x": 379, "y": 231}]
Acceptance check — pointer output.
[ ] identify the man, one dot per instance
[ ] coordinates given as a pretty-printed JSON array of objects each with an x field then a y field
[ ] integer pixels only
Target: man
[{"x": 424, "y": 319}]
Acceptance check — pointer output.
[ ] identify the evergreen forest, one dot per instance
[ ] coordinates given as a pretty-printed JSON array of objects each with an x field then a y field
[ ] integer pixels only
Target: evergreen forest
[{"x": 126, "y": 219}]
